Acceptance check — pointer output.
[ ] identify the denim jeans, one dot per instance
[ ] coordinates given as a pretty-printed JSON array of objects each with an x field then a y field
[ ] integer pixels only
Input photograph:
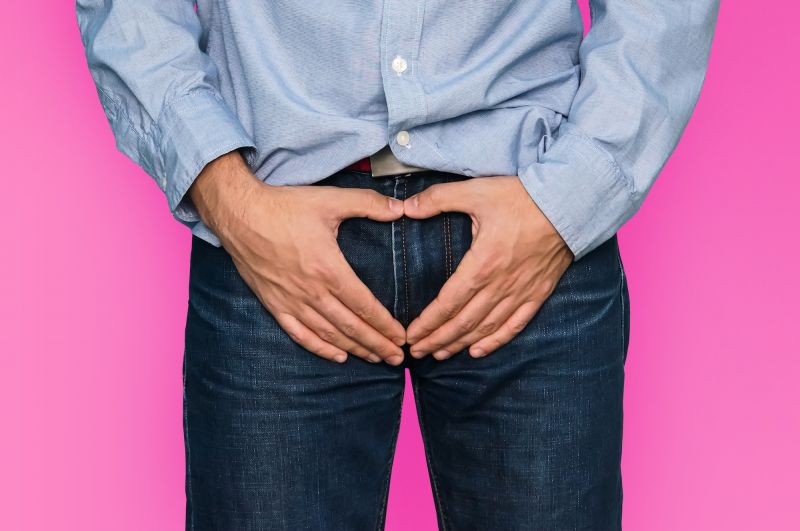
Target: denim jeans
[{"x": 528, "y": 437}]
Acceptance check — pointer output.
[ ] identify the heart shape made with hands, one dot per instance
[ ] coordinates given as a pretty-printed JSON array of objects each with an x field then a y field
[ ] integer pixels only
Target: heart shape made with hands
[
  {"x": 511, "y": 268},
  {"x": 292, "y": 262}
]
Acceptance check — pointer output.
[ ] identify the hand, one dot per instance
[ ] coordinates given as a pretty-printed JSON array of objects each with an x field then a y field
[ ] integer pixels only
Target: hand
[
  {"x": 513, "y": 265},
  {"x": 283, "y": 242}
]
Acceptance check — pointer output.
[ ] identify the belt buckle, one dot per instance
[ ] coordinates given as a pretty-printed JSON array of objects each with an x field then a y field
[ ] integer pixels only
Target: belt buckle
[{"x": 384, "y": 162}]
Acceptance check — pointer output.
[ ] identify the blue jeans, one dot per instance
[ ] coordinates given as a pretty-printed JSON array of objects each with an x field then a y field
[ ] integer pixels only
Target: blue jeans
[{"x": 528, "y": 437}]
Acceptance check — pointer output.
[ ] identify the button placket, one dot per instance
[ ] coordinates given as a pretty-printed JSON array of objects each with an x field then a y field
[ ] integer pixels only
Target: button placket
[{"x": 400, "y": 41}]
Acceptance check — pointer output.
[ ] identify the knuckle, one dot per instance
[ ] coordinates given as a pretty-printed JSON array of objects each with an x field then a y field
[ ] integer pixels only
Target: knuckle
[
  {"x": 484, "y": 274},
  {"x": 374, "y": 200},
  {"x": 421, "y": 333},
  {"x": 319, "y": 270},
  {"x": 495, "y": 259},
  {"x": 328, "y": 335},
  {"x": 509, "y": 284},
  {"x": 385, "y": 202},
  {"x": 348, "y": 329},
  {"x": 546, "y": 286},
  {"x": 365, "y": 311},
  {"x": 487, "y": 327},
  {"x": 433, "y": 194},
  {"x": 332, "y": 283},
  {"x": 465, "y": 324},
  {"x": 448, "y": 311},
  {"x": 308, "y": 298},
  {"x": 517, "y": 326}
]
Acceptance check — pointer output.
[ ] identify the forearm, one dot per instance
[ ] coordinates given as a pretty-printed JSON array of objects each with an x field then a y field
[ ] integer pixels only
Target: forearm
[{"x": 160, "y": 91}]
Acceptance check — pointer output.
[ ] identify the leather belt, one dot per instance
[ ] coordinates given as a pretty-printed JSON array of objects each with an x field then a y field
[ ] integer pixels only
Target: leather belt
[{"x": 383, "y": 162}]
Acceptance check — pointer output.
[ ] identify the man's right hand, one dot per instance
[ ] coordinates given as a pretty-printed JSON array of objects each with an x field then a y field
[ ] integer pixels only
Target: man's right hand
[{"x": 283, "y": 242}]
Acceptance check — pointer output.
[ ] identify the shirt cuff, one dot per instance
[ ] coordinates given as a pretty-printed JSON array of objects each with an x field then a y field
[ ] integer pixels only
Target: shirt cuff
[
  {"x": 192, "y": 131},
  {"x": 580, "y": 188}
]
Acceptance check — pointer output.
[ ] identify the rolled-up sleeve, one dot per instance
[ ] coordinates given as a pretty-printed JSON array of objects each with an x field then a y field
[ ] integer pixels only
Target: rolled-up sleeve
[
  {"x": 642, "y": 64},
  {"x": 159, "y": 91}
]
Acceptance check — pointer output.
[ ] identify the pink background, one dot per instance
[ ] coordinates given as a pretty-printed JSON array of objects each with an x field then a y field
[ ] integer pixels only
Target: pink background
[{"x": 93, "y": 284}]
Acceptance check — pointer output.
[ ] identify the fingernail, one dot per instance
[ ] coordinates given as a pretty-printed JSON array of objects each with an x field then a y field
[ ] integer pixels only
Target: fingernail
[
  {"x": 417, "y": 353},
  {"x": 440, "y": 354},
  {"x": 340, "y": 358},
  {"x": 477, "y": 352},
  {"x": 373, "y": 358},
  {"x": 395, "y": 360},
  {"x": 415, "y": 201},
  {"x": 399, "y": 341},
  {"x": 411, "y": 340},
  {"x": 396, "y": 206}
]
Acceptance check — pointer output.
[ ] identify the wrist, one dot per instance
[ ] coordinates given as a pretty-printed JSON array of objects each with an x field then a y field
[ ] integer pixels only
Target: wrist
[{"x": 220, "y": 189}]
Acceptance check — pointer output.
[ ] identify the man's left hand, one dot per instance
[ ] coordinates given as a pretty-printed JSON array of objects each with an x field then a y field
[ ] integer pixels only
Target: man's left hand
[{"x": 513, "y": 265}]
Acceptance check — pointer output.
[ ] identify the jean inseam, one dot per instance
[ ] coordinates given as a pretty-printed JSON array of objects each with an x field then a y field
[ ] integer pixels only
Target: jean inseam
[
  {"x": 381, "y": 520},
  {"x": 428, "y": 454}
]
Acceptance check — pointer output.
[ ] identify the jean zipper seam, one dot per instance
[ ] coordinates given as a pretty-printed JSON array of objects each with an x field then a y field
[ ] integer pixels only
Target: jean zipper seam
[{"x": 406, "y": 311}]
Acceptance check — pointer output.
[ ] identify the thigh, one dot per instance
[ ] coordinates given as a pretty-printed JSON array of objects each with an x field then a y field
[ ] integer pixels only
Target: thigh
[
  {"x": 275, "y": 437},
  {"x": 530, "y": 437}
]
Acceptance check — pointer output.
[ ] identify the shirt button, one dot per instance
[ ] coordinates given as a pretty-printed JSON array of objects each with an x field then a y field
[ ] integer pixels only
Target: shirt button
[
  {"x": 402, "y": 138},
  {"x": 399, "y": 64}
]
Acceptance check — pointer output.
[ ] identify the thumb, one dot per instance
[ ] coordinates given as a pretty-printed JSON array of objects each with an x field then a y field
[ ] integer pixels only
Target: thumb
[
  {"x": 360, "y": 203},
  {"x": 438, "y": 198}
]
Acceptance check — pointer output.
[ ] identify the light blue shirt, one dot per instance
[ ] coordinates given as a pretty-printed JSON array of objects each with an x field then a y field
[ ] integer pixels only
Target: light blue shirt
[{"x": 474, "y": 87}]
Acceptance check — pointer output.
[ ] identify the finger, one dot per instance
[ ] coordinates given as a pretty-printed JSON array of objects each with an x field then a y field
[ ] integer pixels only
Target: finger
[
  {"x": 459, "y": 326},
  {"x": 515, "y": 324},
  {"x": 307, "y": 339},
  {"x": 438, "y": 198},
  {"x": 354, "y": 294},
  {"x": 490, "y": 324},
  {"x": 356, "y": 329},
  {"x": 361, "y": 203},
  {"x": 462, "y": 285},
  {"x": 330, "y": 334}
]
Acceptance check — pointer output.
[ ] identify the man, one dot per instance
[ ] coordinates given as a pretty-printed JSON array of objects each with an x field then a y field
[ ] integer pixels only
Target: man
[{"x": 380, "y": 185}]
